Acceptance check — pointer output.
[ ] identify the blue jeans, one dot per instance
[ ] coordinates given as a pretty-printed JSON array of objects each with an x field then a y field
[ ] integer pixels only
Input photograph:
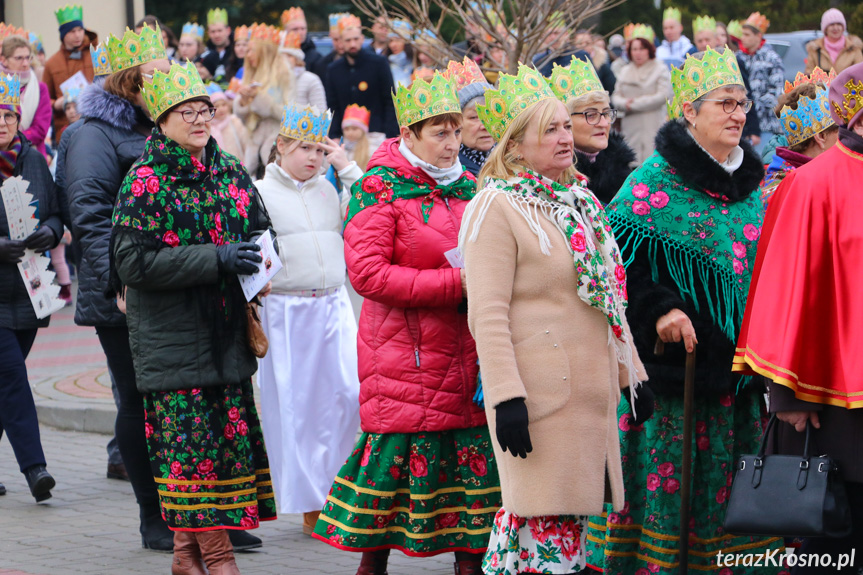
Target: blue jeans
[{"x": 17, "y": 408}]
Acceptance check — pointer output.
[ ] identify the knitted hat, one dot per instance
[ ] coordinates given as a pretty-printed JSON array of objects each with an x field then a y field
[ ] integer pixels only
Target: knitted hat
[
  {"x": 832, "y": 16},
  {"x": 846, "y": 96}
]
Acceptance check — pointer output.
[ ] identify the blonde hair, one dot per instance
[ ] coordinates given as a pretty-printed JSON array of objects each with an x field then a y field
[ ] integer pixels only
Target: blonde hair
[
  {"x": 502, "y": 163},
  {"x": 272, "y": 70},
  {"x": 361, "y": 151},
  {"x": 586, "y": 100},
  {"x": 274, "y": 151}
]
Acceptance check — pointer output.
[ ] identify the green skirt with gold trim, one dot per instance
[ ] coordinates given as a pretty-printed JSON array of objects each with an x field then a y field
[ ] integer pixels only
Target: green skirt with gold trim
[
  {"x": 208, "y": 458},
  {"x": 423, "y": 494},
  {"x": 643, "y": 538}
]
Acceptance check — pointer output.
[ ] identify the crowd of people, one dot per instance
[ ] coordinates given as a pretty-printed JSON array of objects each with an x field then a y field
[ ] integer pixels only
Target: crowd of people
[{"x": 538, "y": 254}]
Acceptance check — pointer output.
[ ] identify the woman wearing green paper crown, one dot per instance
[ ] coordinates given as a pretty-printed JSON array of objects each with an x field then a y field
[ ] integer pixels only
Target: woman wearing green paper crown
[
  {"x": 689, "y": 220},
  {"x": 547, "y": 294},
  {"x": 184, "y": 229},
  {"x": 422, "y": 478}
]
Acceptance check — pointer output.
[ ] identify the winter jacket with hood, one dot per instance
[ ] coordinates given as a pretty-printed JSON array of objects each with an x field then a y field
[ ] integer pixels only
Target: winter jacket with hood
[
  {"x": 59, "y": 68},
  {"x": 817, "y": 55},
  {"x": 110, "y": 139},
  {"x": 16, "y": 311},
  {"x": 417, "y": 358}
]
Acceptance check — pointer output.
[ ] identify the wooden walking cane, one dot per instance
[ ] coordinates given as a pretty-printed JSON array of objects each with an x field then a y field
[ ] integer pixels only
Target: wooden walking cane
[{"x": 686, "y": 471}]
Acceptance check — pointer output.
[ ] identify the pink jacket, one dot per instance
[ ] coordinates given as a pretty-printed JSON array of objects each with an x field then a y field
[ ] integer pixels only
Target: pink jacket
[
  {"x": 417, "y": 358},
  {"x": 38, "y": 130}
]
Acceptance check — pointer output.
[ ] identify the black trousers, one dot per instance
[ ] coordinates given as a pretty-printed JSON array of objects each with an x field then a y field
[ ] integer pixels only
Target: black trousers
[
  {"x": 129, "y": 426},
  {"x": 17, "y": 408},
  {"x": 835, "y": 547}
]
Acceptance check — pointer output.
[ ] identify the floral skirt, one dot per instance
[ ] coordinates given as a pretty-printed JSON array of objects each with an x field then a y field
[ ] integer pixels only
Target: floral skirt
[
  {"x": 423, "y": 494},
  {"x": 551, "y": 544},
  {"x": 643, "y": 538},
  {"x": 208, "y": 458}
]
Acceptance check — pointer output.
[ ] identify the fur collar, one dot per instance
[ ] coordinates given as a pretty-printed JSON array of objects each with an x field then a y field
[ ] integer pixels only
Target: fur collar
[
  {"x": 608, "y": 172},
  {"x": 701, "y": 171},
  {"x": 95, "y": 103}
]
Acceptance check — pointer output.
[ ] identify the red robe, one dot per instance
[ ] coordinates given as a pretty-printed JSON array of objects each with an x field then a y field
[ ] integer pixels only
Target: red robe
[{"x": 803, "y": 326}]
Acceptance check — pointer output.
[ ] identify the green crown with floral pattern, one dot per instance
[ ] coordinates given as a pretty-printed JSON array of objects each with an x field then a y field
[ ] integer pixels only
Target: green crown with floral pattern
[
  {"x": 164, "y": 91},
  {"x": 672, "y": 14},
  {"x": 217, "y": 16},
  {"x": 702, "y": 23},
  {"x": 575, "y": 80},
  {"x": 425, "y": 100},
  {"x": 135, "y": 49},
  {"x": 514, "y": 95},
  {"x": 702, "y": 75},
  {"x": 69, "y": 13}
]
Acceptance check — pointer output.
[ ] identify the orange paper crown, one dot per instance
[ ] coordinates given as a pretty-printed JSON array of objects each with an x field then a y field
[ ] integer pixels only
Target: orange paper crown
[
  {"x": 464, "y": 73},
  {"x": 291, "y": 41},
  {"x": 10, "y": 30},
  {"x": 234, "y": 86},
  {"x": 757, "y": 21},
  {"x": 292, "y": 14},
  {"x": 242, "y": 33},
  {"x": 349, "y": 21},
  {"x": 264, "y": 32},
  {"x": 355, "y": 113},
  {"x": 423, "y": 73},
  {"x": 818, "y": 76}
]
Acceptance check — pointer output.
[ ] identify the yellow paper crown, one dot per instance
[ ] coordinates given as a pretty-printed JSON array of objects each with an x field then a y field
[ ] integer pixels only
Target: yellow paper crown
[
  {"x": 632, "y": 31},
  {"x": 217, "y": 16},
  {"x": 264, "y": 32},
  {"x": 735, "y": 28},
  {"x": 135, "y": 49},
  {"x": 700, "y": 76},
  {"x": 847, "y": 105},
  {"x": 425, "y": 100},
  {"x": 702, "y": 23},
  {"x": 672, "y": 14},
  {"x": 577, "y": 79},
  {"x": 164, "y": 91},
  {"x": 514, "y": 95},
  {"x": 291, "y": 14},
  {"x": 757, "y": 21}
]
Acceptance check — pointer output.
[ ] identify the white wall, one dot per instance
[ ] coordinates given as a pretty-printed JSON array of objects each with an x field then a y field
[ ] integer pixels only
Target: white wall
[{"x": 102, "y": 16}]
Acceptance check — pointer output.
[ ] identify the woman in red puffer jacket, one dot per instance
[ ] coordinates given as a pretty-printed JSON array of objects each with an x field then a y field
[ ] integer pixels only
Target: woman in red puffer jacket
[{"x": 422, "y": 478}]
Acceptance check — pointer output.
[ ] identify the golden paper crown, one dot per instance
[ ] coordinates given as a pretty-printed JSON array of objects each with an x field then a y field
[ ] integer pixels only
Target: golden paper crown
[
  {"x": 99, "y": 58},
  {"x": 217, "y": 16},
  {"x": 464, "y": 73},
  {"x": 757, "y": 21},
  {"x": 242, "y": 33},
  {"x": 697, "y": 77},
  {"x": 164, "y": 91},
  {"x": 514, "y": 95},
  {"x": 425, "y": 100},
  {"x": 702, "y": 23},
  {"x": 10, "y": 30},
  {"x": 818, "y": 76},
  {"x": 135, "y": 49},
  {"x": 292, "y": 14},
  {"x": 349, "y": 21},
  {"x": 847, "y": 105},
  {"x": 577, "y": 79},
  {"x": 672, "y": 14},
  {"x": 264, "y": 32}
]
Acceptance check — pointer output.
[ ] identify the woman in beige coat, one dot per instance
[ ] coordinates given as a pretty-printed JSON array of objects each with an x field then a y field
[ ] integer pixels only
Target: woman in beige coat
[
  {"x": 833, "y": 50},
  {"x": 642, "y": 90},
  {"x": 546, "y": 293}
]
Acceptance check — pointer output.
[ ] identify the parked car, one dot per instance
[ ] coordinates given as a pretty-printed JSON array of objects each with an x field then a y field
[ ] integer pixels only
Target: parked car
[{"x": 791, "y": 47}]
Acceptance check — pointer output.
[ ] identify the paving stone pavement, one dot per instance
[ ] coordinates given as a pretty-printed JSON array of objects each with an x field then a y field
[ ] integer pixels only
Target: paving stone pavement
[{"x": 90, "y": 525}]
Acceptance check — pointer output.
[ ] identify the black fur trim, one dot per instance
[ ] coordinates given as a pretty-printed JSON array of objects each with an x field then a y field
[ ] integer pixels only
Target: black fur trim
[{"x": 608, "y": 172}]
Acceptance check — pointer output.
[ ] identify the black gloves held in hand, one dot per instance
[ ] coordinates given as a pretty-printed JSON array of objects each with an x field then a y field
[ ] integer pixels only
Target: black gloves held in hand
[
  {"x": 239, "y": 259},
  {"x": 511, "y": 429},
  {"x": 11, "y": 251},
  {"x": 41, "y": 240},
  {"x": 644, "y": 403}
]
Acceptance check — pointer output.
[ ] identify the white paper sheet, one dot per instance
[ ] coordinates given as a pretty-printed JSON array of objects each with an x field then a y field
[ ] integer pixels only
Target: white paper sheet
[
  {"x": 77, "y": 80},
  {"x": 269, "y": 267}
]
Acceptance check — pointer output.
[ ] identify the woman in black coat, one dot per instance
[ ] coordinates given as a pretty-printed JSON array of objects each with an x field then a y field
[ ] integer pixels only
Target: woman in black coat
[{"x": 18, "y": 321}]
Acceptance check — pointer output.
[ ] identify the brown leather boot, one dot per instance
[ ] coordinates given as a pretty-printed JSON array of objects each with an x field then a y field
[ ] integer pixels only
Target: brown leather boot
[
  {"x": 469, "y": 567},
  {"x": 374, "y": 562},
  {"x": 187, "y": 555},
  {"x": 309, "y": 520},
  {"x": 218, "y": 552}
]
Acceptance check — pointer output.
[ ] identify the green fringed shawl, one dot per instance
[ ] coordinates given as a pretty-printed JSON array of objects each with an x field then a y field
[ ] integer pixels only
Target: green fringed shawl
[{"x": 704, "y": 238}]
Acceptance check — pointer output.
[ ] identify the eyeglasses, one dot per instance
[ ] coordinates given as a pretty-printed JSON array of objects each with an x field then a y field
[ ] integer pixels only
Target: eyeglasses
[
  {"x": 22, "y": 58},
  {"x": 191, "y": 116},
  {"x": 592, "y": 117},
  {"x": 730, "y": 104},
  {"x": 9, "y": 119}
]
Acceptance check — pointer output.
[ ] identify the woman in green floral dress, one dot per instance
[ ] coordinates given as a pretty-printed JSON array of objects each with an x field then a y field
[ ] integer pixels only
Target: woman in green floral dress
[
  {"x": 183, "y": 226},
  {"x": 688, "y": 222}
]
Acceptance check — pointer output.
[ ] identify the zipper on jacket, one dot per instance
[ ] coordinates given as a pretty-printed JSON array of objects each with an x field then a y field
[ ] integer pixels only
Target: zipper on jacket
[
  {"x": 414, "y": 331},
  {"x": 315, "y": 239}
]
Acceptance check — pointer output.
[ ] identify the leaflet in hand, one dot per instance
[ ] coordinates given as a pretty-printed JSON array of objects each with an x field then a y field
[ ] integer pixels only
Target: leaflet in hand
[
  {"x": 269, "y": 267},
  {"x": 454, "y": 258}
]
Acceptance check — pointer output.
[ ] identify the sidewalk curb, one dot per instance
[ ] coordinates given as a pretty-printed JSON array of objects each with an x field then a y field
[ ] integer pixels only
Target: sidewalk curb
[{"x": 90, "y": 419}]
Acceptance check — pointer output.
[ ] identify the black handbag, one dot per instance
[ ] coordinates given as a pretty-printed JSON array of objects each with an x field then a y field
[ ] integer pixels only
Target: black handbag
[{"x": 788, "y": 495}]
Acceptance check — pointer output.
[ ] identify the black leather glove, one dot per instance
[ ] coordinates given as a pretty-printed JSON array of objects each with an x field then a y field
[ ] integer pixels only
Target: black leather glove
[
  {"x": 41, "y": 240},
  {"x": 644, "y": 403},
  {"x": 11, "y": 251},
  {"x": 239, "y": 259},
  {"x": 512, "y": 433}
]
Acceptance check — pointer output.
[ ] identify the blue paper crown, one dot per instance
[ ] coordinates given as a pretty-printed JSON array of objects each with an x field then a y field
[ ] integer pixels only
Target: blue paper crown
[
  {"x": 401, "y": 29},
  {"x": 35, "y": 41},
  {"x": 101, "y": 63},
  {"x": 10, "y": 90},
  {"x": 307, "y": 124},
  {"x": 811, "y": 117},
  {"x": 71, "y": 95},
  {"x": 213, "y": 88},
  {"x": 193, "y": 30},
  {"x": 334, "y": 19}
]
